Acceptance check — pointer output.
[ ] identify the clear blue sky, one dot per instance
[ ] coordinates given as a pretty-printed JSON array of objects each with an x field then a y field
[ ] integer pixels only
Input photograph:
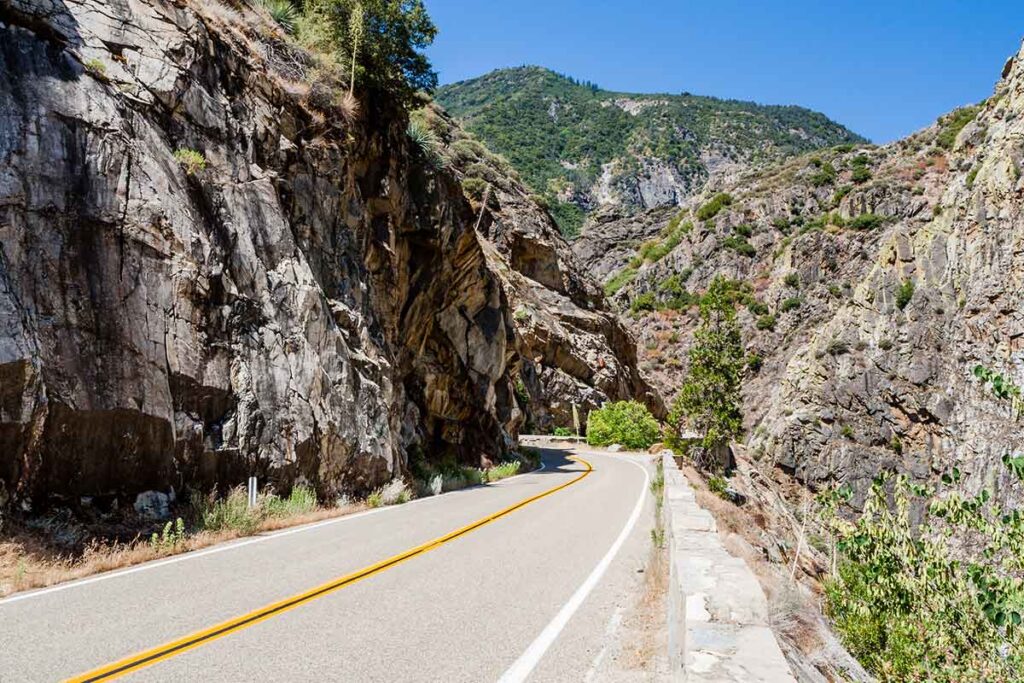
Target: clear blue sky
[{"x": 882, "y": 68}]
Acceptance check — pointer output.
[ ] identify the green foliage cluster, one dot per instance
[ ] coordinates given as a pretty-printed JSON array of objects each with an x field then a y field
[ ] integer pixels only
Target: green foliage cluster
[
  {"x": 825, "y": 175},
  {"x": 670, "y": 238},
  {"x": 555, "y": 129},
  {"x": 951, "y": 124},
  {"x": 906, "y": 604},
  {"x": 1002, "y": 387},
  {"x": 562, "y": 431},
  {"x": 860, "y": 171},
  {"x": 904, "y": 293},
  {"x": 172, "y": 536},
  {"x": 283, "y": 12},
  {"x": 624, "y": 422},
  {"x": 619, "y": 280},
  {"x": 740, "y": 245},
  {"x": 714, "y": 206},
  {"x": 766, "y": 322},
  {"x": 866, "y": 221},
  {"x": 792, "y": 280},
  {"x": 383, "y": 40},
  {"x": 233, "y": 512},
  {"x": 710, "y": 396},
  {"x": 192, "y": 161},
  {"x": 791, "y": 304}
]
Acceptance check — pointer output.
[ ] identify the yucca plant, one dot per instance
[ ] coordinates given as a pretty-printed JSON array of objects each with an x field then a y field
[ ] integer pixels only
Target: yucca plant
[
  {"x": 283, "y": 12},
  {"x": 426, "y": 142}
]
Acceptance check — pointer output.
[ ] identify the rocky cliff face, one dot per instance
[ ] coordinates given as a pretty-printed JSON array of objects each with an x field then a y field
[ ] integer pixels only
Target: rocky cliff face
[
  {"x": 306, "y": 300},
  {"x": 874, "y": 280}
]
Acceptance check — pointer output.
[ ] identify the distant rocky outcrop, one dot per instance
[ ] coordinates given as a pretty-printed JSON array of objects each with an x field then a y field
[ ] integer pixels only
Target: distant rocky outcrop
[
  {"x": 209, "y": 269},
  {"x": 872, "y": 280}
]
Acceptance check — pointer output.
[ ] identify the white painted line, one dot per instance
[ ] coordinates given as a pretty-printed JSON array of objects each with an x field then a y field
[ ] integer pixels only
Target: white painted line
[
  {"x": 527, "y": 662},
  {"x": 231, "y": 545}
]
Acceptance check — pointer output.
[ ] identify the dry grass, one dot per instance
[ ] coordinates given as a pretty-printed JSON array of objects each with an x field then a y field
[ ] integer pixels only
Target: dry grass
[{"x": 27, "y": 561}]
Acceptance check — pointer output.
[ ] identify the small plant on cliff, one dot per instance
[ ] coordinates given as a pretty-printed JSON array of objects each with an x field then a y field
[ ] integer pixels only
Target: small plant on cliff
[
  {"x": 619, "y": 280},
  {"x": 904, "y": 293},
  {"x": 711, "y": 209},
  {"x": 952, "y": 124},
  {"x": 710, "y": 396},
  {"x": 425, "y": 143},
  {"x": 282, "y": 12},
  {"x": 192, "y": 161},
  {"x": 866, "y": 221},
  {"x": 624, "y": 422},
  {"x": 96, "y": 67}
]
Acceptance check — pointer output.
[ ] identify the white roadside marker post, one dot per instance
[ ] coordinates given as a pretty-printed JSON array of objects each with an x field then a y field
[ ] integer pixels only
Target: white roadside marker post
[{"x": 252, "y": 492}]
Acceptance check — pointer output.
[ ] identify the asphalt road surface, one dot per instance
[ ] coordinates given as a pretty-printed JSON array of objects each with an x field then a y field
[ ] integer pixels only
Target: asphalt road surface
[{"x": 512, "y": 581}]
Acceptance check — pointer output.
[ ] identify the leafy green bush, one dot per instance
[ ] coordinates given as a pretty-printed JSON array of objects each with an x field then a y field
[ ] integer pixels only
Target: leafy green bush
[
  {"x": 953, "y": 123},
  {"x": 904, "y": 294},
  {"x": 624, "y": 422},
  {"x": 644, "y": 302},
  {"x": 383, "y": 39},
  {"x": 791, "y": 304},
  {"x": 791, "y": 280},
  {"x": 907, "y": 602},
  {"x": 192, "y": 161},
  {"x": 740, "y": 246},
  {"x": 562, "y": 431},
  {"x": 826, "y": 175},
  {"x": 866, "y": 221},
  {"x": 766, "y": 322},
  {"x": 619, "y": 280},
  {"x": 716, "y": 204},
  {"x": 860, "y": 174}
]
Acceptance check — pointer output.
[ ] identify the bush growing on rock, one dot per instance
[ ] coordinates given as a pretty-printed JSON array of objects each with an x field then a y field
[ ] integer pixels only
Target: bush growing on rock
[{"x": 624, "y": 422}]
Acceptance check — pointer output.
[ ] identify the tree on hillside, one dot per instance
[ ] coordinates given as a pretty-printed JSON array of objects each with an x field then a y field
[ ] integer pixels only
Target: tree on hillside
[
  {"x": 709, "y": 400},
  {"x": 383, "y": 39}
]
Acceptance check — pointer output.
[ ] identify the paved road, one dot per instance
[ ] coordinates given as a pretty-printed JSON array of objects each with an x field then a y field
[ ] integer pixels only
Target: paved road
[{"x": 529, "y": 594}]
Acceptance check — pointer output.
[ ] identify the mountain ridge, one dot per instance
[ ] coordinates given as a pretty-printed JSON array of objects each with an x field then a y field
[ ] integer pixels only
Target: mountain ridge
[{"x": 581, "y": 147}]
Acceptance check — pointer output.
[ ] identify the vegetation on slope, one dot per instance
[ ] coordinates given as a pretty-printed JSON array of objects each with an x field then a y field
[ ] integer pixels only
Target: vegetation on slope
[{"x": 559, "y": 133}]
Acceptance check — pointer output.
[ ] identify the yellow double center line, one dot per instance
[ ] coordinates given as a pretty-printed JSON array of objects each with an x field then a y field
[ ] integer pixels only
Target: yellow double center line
[{"x": 194, "y": 640}]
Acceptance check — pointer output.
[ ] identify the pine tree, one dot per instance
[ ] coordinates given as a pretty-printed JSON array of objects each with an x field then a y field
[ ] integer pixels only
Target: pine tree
[{"x": 710, "y": 398}]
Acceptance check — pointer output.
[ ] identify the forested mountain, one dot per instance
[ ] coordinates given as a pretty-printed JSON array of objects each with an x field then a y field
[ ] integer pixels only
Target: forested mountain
[{"x": 581, "y": 147}]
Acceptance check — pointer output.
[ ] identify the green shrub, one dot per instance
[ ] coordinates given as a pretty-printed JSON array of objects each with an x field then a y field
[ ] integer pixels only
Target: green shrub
[
  {"x": 301, "y": 501},
  {"x": 904, "y": 294},
  {"x": 425, "y": 143},
  {"x": 619, "y": 280},
  {"x": 861, "y": 174},
  {"x": 643, "y": 302},
  {"x": 192, "y": 161},
  {"x": 716, "y": 204},
  {"x": 562, "y": 431},
  {"x": 907, "y": 602},
  {"x": 624, "y": 422},
  {"x": 757, "y": 308},
  {"x": 718, "y": 485},
  {"x": 743, "y": 230},
  {"x": 953, "y": 123},
  {"x": 826, "y": 175},
  {"x": 96, "y": 67},
  {"x": 866, "y": 221},
  {"x": 791, "y": 304},
  {"x": 792, "y": 280},
  {"x": 740, "y": 246},
  {"x": 474, "y": 188},
  {"x": 766, "y": 322}
]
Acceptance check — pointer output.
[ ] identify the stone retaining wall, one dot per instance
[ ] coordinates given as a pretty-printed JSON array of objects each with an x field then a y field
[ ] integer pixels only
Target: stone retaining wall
[{"x": 718, "y": 613}]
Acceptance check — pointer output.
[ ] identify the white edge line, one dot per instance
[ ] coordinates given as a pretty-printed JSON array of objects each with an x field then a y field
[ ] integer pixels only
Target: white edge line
[
  {"x": 527, "y": 662},
  {"x": 230, "y": 545}
]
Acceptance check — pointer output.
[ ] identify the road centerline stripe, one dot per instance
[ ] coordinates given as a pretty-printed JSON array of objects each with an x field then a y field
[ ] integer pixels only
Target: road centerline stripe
[{"x": 193, "y": 640}]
